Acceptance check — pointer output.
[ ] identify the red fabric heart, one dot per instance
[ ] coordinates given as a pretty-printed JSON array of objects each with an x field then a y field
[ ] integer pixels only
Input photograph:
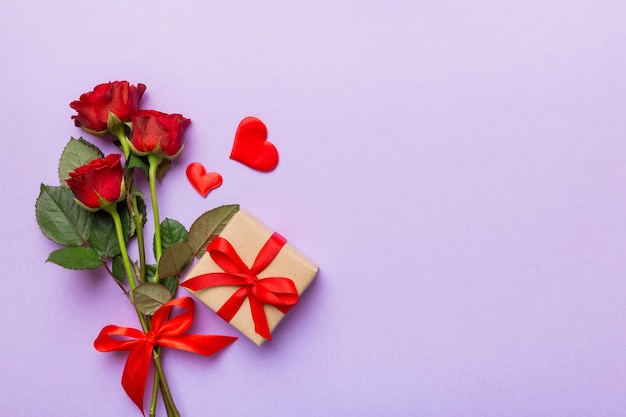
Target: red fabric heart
[
  {"x": 251, "y": 147},
  {"x": 202, "y": 181}
]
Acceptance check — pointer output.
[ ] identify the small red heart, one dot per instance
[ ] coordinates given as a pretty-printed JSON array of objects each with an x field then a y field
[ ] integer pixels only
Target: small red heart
[
  {"x": 202, "y": 181},
  {"x": 251, "y": 147}
]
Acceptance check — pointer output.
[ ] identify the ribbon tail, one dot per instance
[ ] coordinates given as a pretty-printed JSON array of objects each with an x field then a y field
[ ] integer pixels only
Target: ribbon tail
[
  {"x": 135, "y": 373},
  {"x": 258, "y": 316},
  {"x": 206, "y": 345}
]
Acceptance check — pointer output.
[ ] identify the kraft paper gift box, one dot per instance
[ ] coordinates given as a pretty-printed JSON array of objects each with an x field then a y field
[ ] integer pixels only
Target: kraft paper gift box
[{"x": 288, "y": 267}]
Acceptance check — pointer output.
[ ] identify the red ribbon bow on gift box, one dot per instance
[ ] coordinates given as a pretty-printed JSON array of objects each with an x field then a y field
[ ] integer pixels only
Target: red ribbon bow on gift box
[
  {"x": 164, "y": 332},
  {"x": 279, "y": 292}
]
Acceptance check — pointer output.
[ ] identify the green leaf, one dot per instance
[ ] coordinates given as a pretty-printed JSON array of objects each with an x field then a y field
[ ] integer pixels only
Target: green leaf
[
  {"x": 141, "y": 206},
  {"x": 175, "y": 259},
  {"x": 60, "y": 218},
  {"x": 128, "y": 223},
  {"x": 150, "y": 272},
  {"x": 208, "y": 226},
  {"x": 102, "y": 235},
  {"x": 173, "y": 262},
  {"x": 149, "y": 296},
  {"x": 77, "y": 152},
  {"x": 118, "y": 270},
  {"x": 171, "y": 283},
  {"x": 76, "y": 258},
  {"x": 172, "y": 232},
  {"x": 128, "y": 226}
]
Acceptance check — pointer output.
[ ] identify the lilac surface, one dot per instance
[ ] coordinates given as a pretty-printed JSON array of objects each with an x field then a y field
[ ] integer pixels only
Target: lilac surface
[{"x": 457, "y": 170}]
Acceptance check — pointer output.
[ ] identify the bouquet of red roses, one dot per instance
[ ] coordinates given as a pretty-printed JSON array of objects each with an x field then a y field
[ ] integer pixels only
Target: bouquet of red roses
[{"x": 97, "y": 210}]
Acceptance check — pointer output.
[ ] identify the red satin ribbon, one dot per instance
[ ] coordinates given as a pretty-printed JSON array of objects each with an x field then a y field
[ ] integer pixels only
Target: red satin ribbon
[
  {"x": 164, "y": 332},
  {"x": 279, "y": 292}
]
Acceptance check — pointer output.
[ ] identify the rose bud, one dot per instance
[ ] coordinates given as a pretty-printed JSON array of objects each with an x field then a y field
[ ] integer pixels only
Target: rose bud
[
  {"x": 99, "y": 184},
  {"x": 157, "y": 133},
  {"x": 94, "y": 108}
]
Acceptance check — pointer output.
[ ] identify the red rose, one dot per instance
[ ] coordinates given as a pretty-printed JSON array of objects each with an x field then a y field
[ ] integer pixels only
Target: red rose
[
  {"x": 118, "y": 97},
  {"x": 98, "y": 184},
  {"x": 158, "y": 133}
]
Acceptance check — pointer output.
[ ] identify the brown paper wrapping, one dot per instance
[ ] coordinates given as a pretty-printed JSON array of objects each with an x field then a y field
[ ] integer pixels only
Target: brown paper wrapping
[{"x": 248, "y": 235}]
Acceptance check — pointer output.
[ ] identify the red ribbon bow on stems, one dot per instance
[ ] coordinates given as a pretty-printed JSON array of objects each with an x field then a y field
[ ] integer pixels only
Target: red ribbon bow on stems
[
  {"x": 164, "y": 332},
  {"x": 279, "y": 292}
]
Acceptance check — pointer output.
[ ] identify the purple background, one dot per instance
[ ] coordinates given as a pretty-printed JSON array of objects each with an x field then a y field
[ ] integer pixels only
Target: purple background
[{"x": 456, "y": 168}]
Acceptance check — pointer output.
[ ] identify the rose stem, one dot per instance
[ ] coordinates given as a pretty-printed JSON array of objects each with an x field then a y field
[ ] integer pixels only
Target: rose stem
[
  {"x": 155, "y": 391},
  {"x": 121, "y": 136},
  {"x": 172, "y": 411},
  {"x": 137, "y": 218},
  {"x": 154, "y": 162},
  {"x": 112, "y": 210},
  {"x": 118, "y": 131},
  {"x": 167, "y": 396}
]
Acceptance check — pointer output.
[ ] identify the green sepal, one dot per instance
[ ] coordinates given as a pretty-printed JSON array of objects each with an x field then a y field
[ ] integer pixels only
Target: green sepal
[
  {"x": 76, "y": 258},
  {"x": 136, "y": 161},
  {"x": 95, "y": 132},
  {"x": 149, "y": 296},
  {"x": 113, "y": 122},
  {"x": 208, "y": 226},
  {"x": 77, "y": 152},
  {"x": 162, "y": 168},
  {"x": 60, "y": 218}
]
